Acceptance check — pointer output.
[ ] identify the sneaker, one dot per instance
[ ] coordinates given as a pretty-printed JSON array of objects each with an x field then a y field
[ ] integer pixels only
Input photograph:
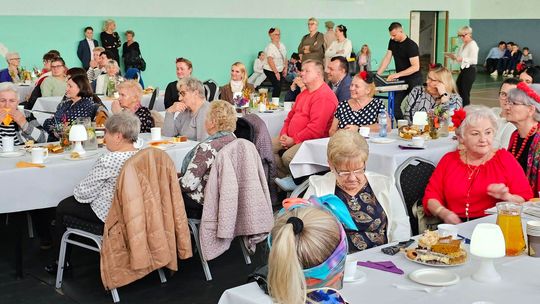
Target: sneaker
[
  {"x": 53, "y": 267},
  {"x": 495, "y": 73},
  {"x": 286, "y": 183}
]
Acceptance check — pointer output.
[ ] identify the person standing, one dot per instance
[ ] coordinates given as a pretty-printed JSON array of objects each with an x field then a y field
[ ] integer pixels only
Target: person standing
[
  {"x": 407, "y": 61},
  {"x": 110, "y": 39},
  {"x": 330, "y": 35},
  {"x": 86, "y": 47},
  {"x": 275, "y": 67},
  {"x": 131, "y": 52},
  {"x": 467, "y": 56},
  {"x": 312, "y": 44}
]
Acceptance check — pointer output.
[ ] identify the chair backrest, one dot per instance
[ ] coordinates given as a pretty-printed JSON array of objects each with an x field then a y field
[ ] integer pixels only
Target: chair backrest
[
  {"x": 153, "y": 99},
  {"x": 244, "y": 129},
  {"x": 412, "y": 178},
  {"x": 36, "y": 93},
  {"x": 211, "y": 90}
]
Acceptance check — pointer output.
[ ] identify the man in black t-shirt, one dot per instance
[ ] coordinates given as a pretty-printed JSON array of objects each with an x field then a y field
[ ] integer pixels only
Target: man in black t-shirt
[{"x": 407, "y": 62}]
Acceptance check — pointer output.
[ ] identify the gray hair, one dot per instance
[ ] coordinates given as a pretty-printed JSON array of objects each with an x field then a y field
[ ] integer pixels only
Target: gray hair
[
  {"x": 476, "y": 113},
  {"x": 125, "y": 123},
  {"x": 9, "y": 87},
  {"x": 11, "y": 55},
  {"x": 106, "y": 24},
  {"x": 517, "y": 95},
  {"x": 112, "y": 63},
  {"x": 192, "y": 84}
]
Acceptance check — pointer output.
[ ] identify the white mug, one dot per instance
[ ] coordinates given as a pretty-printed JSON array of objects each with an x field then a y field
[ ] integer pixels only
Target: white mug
[
  {"x": 448, "y": 229},
  {"x": 350, "y": 267},
  {"x": 287, "y": 105},
  {"x": 402, "y": 122},
  {"x": 262, "y": 107},
  {"x": 8, "y": 144},
  {"x": 20, "y": 108},
  {"x": 155, "y": 133},
  {"x": 39, "y": 155},
  {"x": 139, "y": 143},
  {"x": 418, "y": 141},
  {"x": 364, "y": 131},
  {"x": 275, "y": 101}
]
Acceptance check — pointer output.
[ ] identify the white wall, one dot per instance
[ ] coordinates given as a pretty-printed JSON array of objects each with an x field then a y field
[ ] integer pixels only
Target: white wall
[
  {"x": 505, "y": 9},
  {"x": 343, "y": 9}
]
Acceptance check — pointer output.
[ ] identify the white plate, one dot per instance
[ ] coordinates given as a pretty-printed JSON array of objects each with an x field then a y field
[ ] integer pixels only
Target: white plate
[
  {"x": 437, "y": 265},
  {"x": 15, "y": 153},
  {"x": 358, "y": 277},
  {"x": 382, "y": 140},
  {"x": 85, "y": 156},
  {"x": 434, "y": 277}
]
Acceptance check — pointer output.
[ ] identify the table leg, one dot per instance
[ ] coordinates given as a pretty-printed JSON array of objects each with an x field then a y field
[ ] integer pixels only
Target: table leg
[
  {"x": 391, "y": 107},
  {"x": 18, "y": 222}
]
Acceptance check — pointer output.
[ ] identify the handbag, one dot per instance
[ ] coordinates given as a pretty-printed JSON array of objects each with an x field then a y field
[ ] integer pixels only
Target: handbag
[{"x": 140, "y": 63}]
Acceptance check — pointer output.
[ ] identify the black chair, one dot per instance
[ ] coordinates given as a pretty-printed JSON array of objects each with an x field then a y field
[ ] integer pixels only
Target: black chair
[
  {"x": 244, "y": 130},
  {"x": 211, "y": 90},
  {"x": 412, "y": 177},
  {"x": 153, "y": 99},
  {"x": 36, "y": 93}
]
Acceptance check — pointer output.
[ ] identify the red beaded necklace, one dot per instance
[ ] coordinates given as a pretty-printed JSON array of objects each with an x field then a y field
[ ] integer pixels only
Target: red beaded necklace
[{"x": 523, "y": 144}]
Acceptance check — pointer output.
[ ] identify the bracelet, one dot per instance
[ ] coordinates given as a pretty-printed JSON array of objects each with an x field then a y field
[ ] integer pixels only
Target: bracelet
[{"x": 438, "y": 210}]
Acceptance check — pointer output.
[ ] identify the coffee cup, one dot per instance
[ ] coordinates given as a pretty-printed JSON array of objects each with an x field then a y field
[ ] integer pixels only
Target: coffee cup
[
  {"x": 262, "y": 107},
  {"x": 20, "y": 108},
  {"x": 364, "y": 131},
  {"x": 8, "y": 144},
  {"x": 287, "y": 105},
  {"x": 448, "y": 230},
  {"x": 155, "y": 133},
  {"x": 39, "y": 155},
  {"x": 350, "y": 267},
  {"x": 418, "y": 141},
  {"x": 139, "y": 143},
  {"x": 275, "y": 101},
  {"x": 402, "y": 123}
]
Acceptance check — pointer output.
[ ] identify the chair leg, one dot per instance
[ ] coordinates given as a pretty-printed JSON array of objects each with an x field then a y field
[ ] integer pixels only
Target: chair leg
[
  {"x": 244, "y": 251},
  {"x": 205, "y": 266},
  {"x": 61, "y": 259},
  {"x": 162, "y": 276},
  {"x": 30, "y": 226},
  {"x": 115, "y": 296}
]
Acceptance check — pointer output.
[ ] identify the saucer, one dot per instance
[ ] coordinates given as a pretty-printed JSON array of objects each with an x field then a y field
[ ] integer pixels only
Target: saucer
[
  {"x": 382, "y": 140},
  {"x": 434, "y": 277},
  {"x": 15, "y": 153},
  {"x": 358, "y": 277}
]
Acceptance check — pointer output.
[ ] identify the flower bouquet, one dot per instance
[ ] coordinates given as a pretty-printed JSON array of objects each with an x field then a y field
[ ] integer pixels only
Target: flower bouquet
[{"x": 438, "y": 120}]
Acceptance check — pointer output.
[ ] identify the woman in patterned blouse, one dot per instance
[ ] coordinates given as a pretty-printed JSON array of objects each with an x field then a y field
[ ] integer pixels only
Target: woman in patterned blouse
[
  {"x": 220, "y": 124},
  {"x": 362, "y": 109},
  {"x": 92, "y": 197},
  {"x": 130, "y": 94},
  {"x": 372, "y": 199},
  {"x": 439, "y": 88}
]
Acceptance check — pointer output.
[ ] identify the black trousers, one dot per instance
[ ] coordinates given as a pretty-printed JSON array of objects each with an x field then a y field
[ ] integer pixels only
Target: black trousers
[
  {"x": 465, "y": 82},
  {"x": 400, "y": 95},
  {"x": 276, "y": 84},
  {"x": 70, "y": 206},
  {"x": 491, "y": 65}
]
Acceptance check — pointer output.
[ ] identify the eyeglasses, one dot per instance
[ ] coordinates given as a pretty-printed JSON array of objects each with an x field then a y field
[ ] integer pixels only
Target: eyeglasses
[
  {"x": 312, "y": 23},
  {"x": 431, "y": 79},
  {"x": 503, "y": 95},
  {"x": 513, "y": 103},
  {"x": 356, "y": 173},
  {"x": 462, "y": 35},
  {"x": 56, "y": 66},
  {"x": 15, "y": 59}
]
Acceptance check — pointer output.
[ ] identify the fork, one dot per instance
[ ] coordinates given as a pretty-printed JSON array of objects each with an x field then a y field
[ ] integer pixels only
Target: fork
[{"x": 419, "y": 288}]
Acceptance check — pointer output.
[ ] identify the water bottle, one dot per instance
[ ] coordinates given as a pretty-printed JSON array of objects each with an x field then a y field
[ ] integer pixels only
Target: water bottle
[{"x": 382, "y": 123}]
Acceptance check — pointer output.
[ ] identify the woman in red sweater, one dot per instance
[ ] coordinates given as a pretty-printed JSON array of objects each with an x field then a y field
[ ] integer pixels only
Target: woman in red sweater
[{"x": 472, "y": 179}]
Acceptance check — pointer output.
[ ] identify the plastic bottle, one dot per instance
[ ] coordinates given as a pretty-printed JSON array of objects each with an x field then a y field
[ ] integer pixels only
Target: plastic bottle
[{"x": 382, "y": 123}]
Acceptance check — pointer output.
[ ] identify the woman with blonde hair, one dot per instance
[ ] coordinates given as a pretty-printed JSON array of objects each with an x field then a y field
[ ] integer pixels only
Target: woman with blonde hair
[
  {"x": 238, "y": 84},
  {"x": 439, "y": 90},
  {"x": 467, "y": 57},
  {"x": 130, "y": 94},
  {"x": 102, "y": 82},
  {"x": 364, "y": 58},
  {"x": 110, "y": 39}
]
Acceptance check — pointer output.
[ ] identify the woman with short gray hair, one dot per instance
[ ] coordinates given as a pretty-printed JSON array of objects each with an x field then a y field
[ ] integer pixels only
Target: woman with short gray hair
[
  {"x": 522, "y": 109},
  {"x": 11, "y": 73},
  {"x": 190, "y": 110}
]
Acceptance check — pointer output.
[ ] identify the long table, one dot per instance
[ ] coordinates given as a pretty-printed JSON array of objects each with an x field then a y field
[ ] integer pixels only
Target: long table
[
  {"x": 383, "y": 158},
  {"x": 519, "y": 282}
]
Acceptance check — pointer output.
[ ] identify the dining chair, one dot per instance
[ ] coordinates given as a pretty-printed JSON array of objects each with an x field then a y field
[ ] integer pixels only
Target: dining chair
[
  {"x": 300, "y": 190},
  {"x": 153, "y": 98},
  {"x": 211, "y": 90}
]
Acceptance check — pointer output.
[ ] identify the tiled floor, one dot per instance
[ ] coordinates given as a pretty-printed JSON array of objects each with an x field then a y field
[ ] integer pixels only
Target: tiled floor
[{"x": 188, "y": 285}]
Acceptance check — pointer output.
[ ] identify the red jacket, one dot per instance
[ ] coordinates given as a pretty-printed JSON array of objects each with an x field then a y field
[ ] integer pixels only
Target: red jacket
[{"x": 311, "y": 115}]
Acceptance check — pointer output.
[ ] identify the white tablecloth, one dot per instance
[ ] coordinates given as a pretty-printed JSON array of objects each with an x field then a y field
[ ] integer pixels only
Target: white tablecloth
[
  {"x": 519, "y": 282},
  {"x": 35, "y": 188},
  {"x": 383, "y": 158},
  {"x": 274, "y": 121}
]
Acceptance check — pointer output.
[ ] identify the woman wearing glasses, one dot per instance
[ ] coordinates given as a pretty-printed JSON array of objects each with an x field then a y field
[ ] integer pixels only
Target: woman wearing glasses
[
  {"x": 507, "y": 128},
  {"x": 372, "y": 199},
  {"x": 467, "y": 56},
  {"x": 275, "y": 67},
  {"x": 341, "y": 47},
  {"x": 191, "y": 110},
  {"x": 11, "y": 73}
]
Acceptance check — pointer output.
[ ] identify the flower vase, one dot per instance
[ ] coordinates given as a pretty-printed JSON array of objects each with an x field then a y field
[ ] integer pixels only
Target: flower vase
[
  {"x": 433, "y": 130},
  {"x": 443, "y": 128}
]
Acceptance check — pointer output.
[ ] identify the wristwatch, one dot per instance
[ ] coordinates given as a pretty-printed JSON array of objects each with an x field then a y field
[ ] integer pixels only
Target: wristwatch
[{"x": 443, "y": 95}]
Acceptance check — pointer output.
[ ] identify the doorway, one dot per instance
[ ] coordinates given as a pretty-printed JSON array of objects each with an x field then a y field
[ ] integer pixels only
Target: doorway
[{"x": 429, "y": 29}]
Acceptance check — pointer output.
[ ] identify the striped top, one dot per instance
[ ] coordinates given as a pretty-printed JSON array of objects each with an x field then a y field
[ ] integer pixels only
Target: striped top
[{"x": 9, "y": 131}]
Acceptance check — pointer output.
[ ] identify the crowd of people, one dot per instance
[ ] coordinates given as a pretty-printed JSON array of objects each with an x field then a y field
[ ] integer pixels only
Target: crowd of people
[{"x": 349, "y": 208}]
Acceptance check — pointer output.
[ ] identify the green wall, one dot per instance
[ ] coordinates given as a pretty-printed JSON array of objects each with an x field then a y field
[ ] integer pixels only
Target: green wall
[{"x": 213, "y": 44}]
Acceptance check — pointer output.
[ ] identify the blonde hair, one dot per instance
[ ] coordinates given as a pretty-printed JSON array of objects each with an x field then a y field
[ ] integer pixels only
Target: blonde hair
[
  {"x": 345, "y": 146},
  {"x": 111, "y": 63},
  {"x": 291, "y": 254},
  {"x": 242, "y": 68},
  {"x": 443, "y": 75},
  {"x": 464, "y": 30},
  {"x": 106, "y": 24},
  {"x": 223, "y": 114},
  {"x": 371, "y": 86},
  {"x": 313, "y": 19},
  {"x": 133, "y": 86}
]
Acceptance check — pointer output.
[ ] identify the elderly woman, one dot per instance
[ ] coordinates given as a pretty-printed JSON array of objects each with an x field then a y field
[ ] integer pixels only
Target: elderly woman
[
  {"x": 191, "y": 110},
  {"x": 362, "y": 109},
  {"x": 131, "y": 52},
  {"x": 106, "y": 83},
  {"x": 341, "y": 47},
  {"x": 522, "y": 109},
  {"x": 220, "y": 123},
  {"x": 21, "y": 125},
  {"x": 110, "y": 39},
  {"x": 130, "y": 93},
  {"x": 364, "y": 58},
  {"x": 372, "y": 199},
  {"x": 184, "y": 68},
  {"x": 475, "y": 177},
  {"x": 506, "y": 128},
  {"x": 440, "y": 90},
  {"x": 312, "y": 44},
  {"x": 530, "y": 75},
  {"x": 11, "y": 73},
  {"x": 467, "y": 57},
  {"x": 92, "y": 197},
  {"x": 79, "y": 103},
  {"x": 275, "y": 66},
  {"x": 238, "y": 84}
]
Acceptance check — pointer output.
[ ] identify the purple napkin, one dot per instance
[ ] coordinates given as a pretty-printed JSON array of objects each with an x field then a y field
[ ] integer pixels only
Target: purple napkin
[{"x": 383, "y": 265}]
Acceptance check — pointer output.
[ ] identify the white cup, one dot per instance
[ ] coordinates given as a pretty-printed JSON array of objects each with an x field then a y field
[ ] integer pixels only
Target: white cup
[
  {"x": 418, "y": 141},
  {"x": 39, "y": 155},
  {"x": 20, "y": 108},
  {"x": 139, "y": 143},
  {"x": 287, "y": 105},
  {"x": 402, "y": 122},
  {"x": 448, "y": 230},
  {"x": 350, "y": 267},
  {"x": 8, "y": 144},
  {"x": 275, "y": 101},
  {"x": 155, "y": 133},
  {"x": 262, "y": 107},
  {"x": 364, "y": 131}
]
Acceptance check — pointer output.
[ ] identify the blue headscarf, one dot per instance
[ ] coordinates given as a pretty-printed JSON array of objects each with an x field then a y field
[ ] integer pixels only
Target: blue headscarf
[{"x": 133, "y": 73}]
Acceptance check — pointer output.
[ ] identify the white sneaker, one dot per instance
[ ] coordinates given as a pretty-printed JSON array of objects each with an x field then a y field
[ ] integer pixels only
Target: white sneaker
[
  {"x": 495, "y": 73},
  {"x": 286, "y": 183}
]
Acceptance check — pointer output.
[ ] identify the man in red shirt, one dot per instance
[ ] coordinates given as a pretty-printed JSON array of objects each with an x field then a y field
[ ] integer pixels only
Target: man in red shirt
[{"x": 310, "y": 117}]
